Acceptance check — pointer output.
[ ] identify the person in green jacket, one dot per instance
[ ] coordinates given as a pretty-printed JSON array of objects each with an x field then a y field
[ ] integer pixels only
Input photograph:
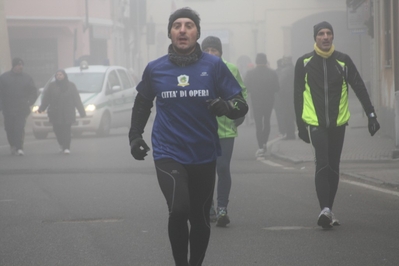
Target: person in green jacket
[{"x": 227, "y": 130}]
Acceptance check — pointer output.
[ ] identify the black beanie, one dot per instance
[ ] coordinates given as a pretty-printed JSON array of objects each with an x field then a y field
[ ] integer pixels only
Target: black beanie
[
  {"x": 320, "y": 26},
  {"x": 17, "y": 61},
  {"x": 185, "y": 12},
  {"x": 261, "y": 59},
  {"x": 212, "y": 42}
]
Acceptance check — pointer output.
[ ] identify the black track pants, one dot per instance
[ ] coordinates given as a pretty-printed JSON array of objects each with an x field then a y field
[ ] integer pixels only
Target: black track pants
[
  {"x": 63, "y": 135},
  {"x": 262, "y": 124},
  {"x": 188, "y": 190},
  {"x": 223, "y": 171},
  {"x": 15, "y": 128},
  {"x": 327, "y": 143}
]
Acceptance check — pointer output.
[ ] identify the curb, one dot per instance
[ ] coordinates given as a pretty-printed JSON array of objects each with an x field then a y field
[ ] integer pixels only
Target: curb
[
  {"x": 354, "y": 176},
  {"x": 371, "y": 181}
]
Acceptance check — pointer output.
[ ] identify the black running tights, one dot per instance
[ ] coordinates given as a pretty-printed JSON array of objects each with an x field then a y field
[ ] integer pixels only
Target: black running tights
[
  {"x": 188, "y": 190},
  {"x": 327, "y": 143}
]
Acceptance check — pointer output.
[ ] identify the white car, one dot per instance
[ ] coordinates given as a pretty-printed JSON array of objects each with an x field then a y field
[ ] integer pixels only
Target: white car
[{"x": 107, "y": 93}]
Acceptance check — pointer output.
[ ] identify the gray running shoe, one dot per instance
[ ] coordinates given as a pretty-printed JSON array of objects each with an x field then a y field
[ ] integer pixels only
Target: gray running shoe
[
  {"x": 335, "y": 221},
  {"x": 325, "y": 219},
  {"x": 222, "y": 218},
  {"x": 260, "y": 153}
]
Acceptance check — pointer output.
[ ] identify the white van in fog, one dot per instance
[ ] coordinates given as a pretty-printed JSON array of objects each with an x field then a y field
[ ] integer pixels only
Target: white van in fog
[{"x": 107, "y": 93}]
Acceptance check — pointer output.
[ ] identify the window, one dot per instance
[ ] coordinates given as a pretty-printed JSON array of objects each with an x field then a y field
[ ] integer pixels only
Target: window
[
  {"x": 113, "y": 80},
  {"x": 125, "y": 79},
  {"x": 87, "y": 82},
  {"x": 388, "y": 33}
]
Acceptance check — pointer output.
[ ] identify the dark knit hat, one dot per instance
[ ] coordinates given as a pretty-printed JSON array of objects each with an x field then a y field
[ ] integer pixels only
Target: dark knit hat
[
  {"x": 212, "y": 42},
  {"x": 185, "y": 12},
  {"x": 320, "y": 26},
  {"x": 261, "y": 59},
  {"x": 17, "y": 61}
]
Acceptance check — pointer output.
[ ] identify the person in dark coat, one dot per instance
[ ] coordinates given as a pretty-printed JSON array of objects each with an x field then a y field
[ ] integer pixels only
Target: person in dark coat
[
  {"x": 262, "y": 84},
  {"x": 62, "y": 98},
  {"x": 17, "y": 93}
]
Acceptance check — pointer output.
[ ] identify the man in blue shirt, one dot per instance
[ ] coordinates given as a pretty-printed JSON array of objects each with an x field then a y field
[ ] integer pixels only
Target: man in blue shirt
[{"x": 191, "y": 88}]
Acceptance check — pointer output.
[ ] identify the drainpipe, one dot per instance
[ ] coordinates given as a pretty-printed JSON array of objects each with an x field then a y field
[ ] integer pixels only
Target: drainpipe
[
  {"x": 395, "y": 153},
  {"x": 5, "y": 56}
]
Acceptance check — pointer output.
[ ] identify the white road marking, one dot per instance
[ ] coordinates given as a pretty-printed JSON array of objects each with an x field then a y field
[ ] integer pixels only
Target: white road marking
[
  {"x": 387, "y": 191},
  {"x": 110, "y": 220},
  {"x": 269, "y": 162},
  {"x": 283, "y": 228}
]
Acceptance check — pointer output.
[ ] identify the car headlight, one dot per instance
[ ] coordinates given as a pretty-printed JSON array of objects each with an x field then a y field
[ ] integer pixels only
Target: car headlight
[
  {"x": 35, "y": 108},
  {"x": 90, "y": 108}
]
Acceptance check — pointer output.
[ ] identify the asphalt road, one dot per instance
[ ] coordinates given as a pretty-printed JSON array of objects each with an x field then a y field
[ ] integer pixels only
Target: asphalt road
[{"x": 98, "y": 206}]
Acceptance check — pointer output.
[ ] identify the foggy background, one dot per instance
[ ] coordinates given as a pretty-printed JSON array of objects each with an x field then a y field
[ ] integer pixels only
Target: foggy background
[{"x": 53, "y": 34}]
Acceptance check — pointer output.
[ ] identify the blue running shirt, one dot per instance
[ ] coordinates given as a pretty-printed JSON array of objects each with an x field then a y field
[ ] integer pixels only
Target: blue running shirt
[{"x": 184, "y": 129}]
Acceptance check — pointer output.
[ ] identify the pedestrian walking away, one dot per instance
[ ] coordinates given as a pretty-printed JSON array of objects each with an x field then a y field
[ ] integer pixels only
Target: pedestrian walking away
[
  {"x": 62, "y": 98},
  {"x": 322, "y": 114},
  {"x": 191, "y": 88},
  {"x": 17, "y": 94},
  {"x": 227, "y": 131},
  {"x": 262, "y": 84}
]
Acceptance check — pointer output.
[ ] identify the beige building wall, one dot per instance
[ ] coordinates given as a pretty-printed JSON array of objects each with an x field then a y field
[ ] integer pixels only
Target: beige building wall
[
  {"x": 52, "y": 34},
  {"x": 385, "y": 76}
]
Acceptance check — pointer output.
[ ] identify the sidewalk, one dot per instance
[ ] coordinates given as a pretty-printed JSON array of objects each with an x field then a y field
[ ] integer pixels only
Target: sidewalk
[{"x": 371, "y": 155}]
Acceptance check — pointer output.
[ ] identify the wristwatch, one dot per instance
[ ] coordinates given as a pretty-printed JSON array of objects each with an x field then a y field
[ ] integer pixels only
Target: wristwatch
[{"x": 372, "y": 115}]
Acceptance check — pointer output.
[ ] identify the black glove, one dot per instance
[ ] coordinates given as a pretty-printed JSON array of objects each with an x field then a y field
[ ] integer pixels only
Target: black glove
[
  {"x": 220, "y": 107},
  {"x": 139, "y": 149},
  {"x": 239, "y": 121},
  {"x": 374, "y": 126},
  {"x": 303, "y": 134}
]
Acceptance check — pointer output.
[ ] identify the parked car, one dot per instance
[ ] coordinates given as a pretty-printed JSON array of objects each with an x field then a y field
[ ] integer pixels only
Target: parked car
[{"x": 108, "y": 94}]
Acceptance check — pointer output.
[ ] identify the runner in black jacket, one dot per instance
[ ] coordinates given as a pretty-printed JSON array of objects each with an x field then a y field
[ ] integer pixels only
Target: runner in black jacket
[{"x": 322, "y": 113}]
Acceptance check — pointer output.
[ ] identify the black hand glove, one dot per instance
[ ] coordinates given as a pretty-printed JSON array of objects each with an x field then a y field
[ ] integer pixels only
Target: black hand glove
[
  {"x": 303, "y": 134},
  {"x": 239, "y": 121},
  {"x": 220, "y": 107},
  {"x": 374, "y": 126},
  {"x": 139, "y": 149}
]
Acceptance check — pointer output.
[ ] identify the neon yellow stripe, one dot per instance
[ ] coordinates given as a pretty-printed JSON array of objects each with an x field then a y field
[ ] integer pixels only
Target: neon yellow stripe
[
  {"x": 343, "y": 112},
  {"x": 308, "y": 112}
]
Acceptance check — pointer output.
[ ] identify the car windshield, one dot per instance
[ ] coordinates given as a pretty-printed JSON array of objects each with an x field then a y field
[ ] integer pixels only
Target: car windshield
[{"x": 87, "y": 82}]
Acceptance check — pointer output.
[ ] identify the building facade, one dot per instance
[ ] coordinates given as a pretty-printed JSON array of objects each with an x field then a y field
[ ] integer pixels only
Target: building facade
[
  {"x": 386, "y": 71},
  {"x": 53, "y": 34}
]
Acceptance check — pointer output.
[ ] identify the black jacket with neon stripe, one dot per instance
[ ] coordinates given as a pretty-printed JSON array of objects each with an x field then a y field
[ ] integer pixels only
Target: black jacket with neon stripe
[{"x": 321, "y": 91}]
